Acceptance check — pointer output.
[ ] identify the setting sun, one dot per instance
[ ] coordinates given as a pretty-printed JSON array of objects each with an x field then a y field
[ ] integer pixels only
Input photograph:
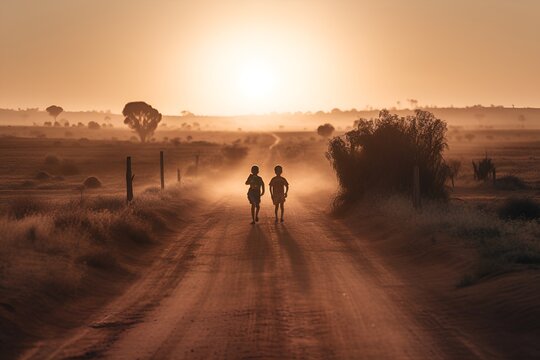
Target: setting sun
[
  {"x": 271, "y": 179},
  {"x": 256, "y": 82}
]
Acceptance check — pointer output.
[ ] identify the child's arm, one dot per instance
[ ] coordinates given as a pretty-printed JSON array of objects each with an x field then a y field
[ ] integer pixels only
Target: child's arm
[
  {"x": 262, "y": 186},
  {"x": 249, "y": 179}
]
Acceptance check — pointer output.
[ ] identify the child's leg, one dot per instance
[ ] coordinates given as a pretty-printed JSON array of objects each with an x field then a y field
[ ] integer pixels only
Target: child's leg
[
  {"x": 253, "y": 212},
  {"x": 257, "y": 212},
  {"x": 276, "y": 207},
  {"x": 281, "y": 205}
]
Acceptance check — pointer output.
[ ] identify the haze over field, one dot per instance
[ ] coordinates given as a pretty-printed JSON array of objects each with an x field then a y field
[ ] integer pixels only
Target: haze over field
[
  {"x": 232, "y": 57},
  {"x": 270, "y": 179}
]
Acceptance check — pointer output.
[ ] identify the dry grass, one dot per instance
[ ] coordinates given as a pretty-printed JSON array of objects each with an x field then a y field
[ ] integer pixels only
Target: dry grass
[
  {"x": 53, "y": 250},
  {"x": 504, "y": 245}
]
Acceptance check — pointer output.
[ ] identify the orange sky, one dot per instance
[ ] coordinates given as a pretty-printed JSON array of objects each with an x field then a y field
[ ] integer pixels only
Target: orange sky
[{"x": 250, "y": 56}]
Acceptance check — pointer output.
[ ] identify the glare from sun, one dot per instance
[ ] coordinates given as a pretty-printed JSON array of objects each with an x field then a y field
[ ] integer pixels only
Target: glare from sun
[{"x": 257, "y": 81}]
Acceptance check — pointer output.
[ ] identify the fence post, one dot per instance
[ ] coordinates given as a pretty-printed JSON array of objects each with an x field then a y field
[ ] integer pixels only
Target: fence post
[
  {"x": 178, "y": 176},
  {"x": 129, "y": 179},
  {"x": 416, "y": 187},
  {"x": 161, "y": 170}
]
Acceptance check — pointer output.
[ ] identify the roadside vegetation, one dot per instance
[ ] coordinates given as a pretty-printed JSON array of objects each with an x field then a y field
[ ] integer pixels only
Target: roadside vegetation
[
  {"x": 59, "y": 252},
  {"x": 506, "y": 235},
  {"x": 379, "y": 155}
]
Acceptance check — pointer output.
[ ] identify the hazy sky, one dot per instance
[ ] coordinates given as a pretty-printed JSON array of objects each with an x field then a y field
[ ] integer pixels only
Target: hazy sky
[{"x": 244, "y": 56}]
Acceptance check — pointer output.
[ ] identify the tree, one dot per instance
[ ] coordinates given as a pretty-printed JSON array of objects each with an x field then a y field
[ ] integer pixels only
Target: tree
[
  {"x": 93, "y": 125},
  {"x": 413, "y": 102},
  {"x": 141, "y": 118},
  {"x": 325, "y": 130},
  {"x": 54, "y": 111},
  {"x": 379, "y": 155}
]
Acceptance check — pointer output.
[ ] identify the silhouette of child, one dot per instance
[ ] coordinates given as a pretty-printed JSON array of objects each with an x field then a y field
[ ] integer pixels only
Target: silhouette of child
[
  {"x": 255, "y": 191},
  {"x": 279, "y": 187}
]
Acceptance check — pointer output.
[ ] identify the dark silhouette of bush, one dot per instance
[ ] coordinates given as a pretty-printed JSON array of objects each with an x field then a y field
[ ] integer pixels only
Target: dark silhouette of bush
[
  {"x": 379, "y": 155},
  {"x": 325, "y": 130},
  {"x": 484, "y": 169},
  {"x": 519, "y": 209},
  {"x": 54, "y": 111},
  {"x": 510, "y": 182},
  {"x": 142, "y": 118},
  {"x": 92, "y": 182},
  {"x": 93, "y": 125}
]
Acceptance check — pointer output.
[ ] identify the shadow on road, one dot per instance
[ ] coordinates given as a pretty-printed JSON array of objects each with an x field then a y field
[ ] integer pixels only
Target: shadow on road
[
  {"x": 300, "y": 271},
  {"x": 258, "y": 249}
]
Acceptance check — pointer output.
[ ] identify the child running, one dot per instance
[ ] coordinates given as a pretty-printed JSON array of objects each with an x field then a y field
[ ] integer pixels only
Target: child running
[
  {"x": 279, "y": 187},
  {"x": 255, "y": 191}
]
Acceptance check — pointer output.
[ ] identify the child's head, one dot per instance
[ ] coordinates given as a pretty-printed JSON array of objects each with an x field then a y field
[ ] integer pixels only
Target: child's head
[
  {"x": 254, "y": 169},
  {"x": 278, "y": 170}
]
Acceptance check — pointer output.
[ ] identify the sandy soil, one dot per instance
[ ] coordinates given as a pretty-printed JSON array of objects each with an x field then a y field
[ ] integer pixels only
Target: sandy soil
[
  {"x": 226, "y": 289},
  {"x": 312, "y": 287}
]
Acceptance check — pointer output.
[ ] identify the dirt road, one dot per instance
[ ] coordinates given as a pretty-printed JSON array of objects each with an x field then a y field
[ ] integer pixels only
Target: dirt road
[{"x": 307, "y": 288}]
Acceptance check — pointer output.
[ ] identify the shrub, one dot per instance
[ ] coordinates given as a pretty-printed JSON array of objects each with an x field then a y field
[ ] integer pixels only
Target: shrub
[
  {"x": 92, "y": 125},
  {"x": 510, "y": 182},
  {"x": 520, "y": 209},
  {"x": 92, "y": 182},
  {"x": 484, "y": 169},
  {"x": 379, "y": 155},
  {"x": 325, "y": 130}
]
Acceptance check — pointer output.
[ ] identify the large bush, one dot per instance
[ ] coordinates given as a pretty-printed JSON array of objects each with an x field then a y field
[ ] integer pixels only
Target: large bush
[{"x": 379, "y": 155}]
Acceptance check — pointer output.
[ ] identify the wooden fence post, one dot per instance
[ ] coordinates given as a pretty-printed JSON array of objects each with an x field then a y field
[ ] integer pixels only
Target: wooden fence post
[
  {"x": 129, "y": 179},
  {"x": 416, "y": 187},
  {"x": 161, "y": 170},
  {"x": 178, "y": 176}
]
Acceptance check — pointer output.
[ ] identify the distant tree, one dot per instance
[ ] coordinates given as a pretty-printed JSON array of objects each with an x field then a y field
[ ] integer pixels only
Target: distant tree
[
  {"x": 54, "y": 111},
  {"x": 47, "y": 123},
  {"x": 325, "y": 130},
  {"x": 189, "y": 138},
  {"x": 335, "y": 111},
  {"x": 93, "y": 125},
  {"x": 80, "y": 124},
  {"x": 57, "y": 124},
  {"x": 142, "y": 118},
  {"x": 413, "y": 102},
  {"x": 186, "y": 113}
]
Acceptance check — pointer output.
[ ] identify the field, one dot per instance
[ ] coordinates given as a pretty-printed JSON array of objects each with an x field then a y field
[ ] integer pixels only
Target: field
[{"x": 76, "y": 248}]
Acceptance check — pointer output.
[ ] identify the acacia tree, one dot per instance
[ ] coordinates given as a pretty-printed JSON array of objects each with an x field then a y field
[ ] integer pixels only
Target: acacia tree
[
  {"x": 325, "y": 130},
  {"x": 141, "y": 118},
  {"x": 54, "y": 111}
]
